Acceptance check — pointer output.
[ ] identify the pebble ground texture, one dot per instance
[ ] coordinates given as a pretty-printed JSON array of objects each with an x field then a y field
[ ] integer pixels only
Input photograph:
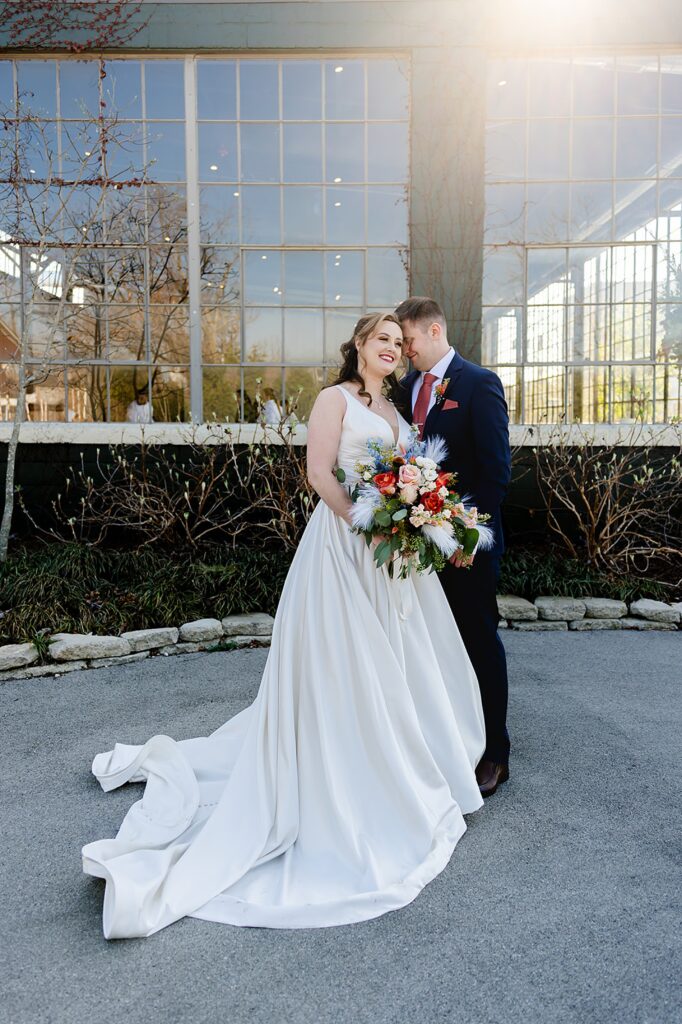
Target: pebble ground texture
[{"x": 557, "y": 906}]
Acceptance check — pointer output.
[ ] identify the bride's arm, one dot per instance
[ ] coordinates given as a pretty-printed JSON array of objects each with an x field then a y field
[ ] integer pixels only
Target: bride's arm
[{"x": 324, "y": 434}]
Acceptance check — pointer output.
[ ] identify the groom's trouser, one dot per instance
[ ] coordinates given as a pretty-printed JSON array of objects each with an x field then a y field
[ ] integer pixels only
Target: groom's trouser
[{"x": 471, "y": 595}]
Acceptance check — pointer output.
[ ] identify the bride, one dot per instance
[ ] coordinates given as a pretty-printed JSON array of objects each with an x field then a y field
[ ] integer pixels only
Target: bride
[{"x": 340, "y": 792}]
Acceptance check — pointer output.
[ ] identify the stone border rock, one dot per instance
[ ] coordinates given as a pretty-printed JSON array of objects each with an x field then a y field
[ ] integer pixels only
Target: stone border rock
[{"x": 69, "y": 652}]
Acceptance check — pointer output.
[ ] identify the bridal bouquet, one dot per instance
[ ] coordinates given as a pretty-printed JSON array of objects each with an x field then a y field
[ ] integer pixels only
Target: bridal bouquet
[{"x": 402, "y": 494}]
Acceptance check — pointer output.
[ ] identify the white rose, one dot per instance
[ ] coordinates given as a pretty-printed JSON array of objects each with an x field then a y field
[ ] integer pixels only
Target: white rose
[{"x": 408, "y": 494}]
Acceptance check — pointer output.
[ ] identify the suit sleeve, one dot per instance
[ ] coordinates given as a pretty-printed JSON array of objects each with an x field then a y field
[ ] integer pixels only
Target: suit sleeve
[{"x": 492, "y": 455}]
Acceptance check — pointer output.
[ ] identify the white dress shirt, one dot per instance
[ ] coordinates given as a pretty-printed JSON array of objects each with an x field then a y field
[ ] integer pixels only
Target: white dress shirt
[{"x": 439, "y": 370}]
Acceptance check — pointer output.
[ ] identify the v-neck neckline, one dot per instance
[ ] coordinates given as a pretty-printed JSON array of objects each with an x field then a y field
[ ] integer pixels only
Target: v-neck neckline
[{"x": 367, "y": 408}]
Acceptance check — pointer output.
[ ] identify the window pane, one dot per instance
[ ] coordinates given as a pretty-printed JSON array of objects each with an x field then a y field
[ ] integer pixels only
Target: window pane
[
  {"x": 301, "y": 90},
  {"x": 543, "y": 388},
  {"x": 387, "y": 215},
  {"x": 303, "y": 336},
  {"x": 260, "y": 152},
  {"x": 221, "y": 334},
  {"x": 339, "y": 327},
  {"x": 507, "y": 88},
  {"x": 502, "y": 334},
  {"x": 302, "y": 215},
  {"x": 670, "y": 209},
  {"x": 9, "y": 386},
  {"x": 45, "y": 401},
  {"x": 635, "y": 210},
  {"x": 345, "y": 279},
  {"x": 168, "y": 275},
  {"x": 588, "y": 333},
  {"x": 593, "y": 149},
  {"x": 671, "y": 147},
  {"x": 216, "y": 90},
  {"x": 635, "y": 147},
  {"x": 386, "y": 278},
  {"x": 549, "y": 87},
  {"x": 388, "y": 152},
  {"x": 87, "y": 393},
  {"x": 548, "y": 149},
  {"x": 220, "y": 275},
  {"x": 221, "y": 393},
  {"x": 124, "y": 275},
  {"x": 631, "y": 331},
  {"x": 10, "y": 331},
  {"x": 47, "y": 332},
  {"x": 669, "y": 271},
  {"x": 302, "y": 385},
  {"x": 81, "y": 150},
  {"x": 263, "y": 335},
  {"x": 637, "y": 82},
  {"x": 593, "y": 87},
  {"x": 345, "y": 216},
  {"x": 127, "y": 336},
  {"x": 79, "y": 88},
  {"x": 264, "y": 383},
  {"x": 387, "y": 89},
  {"x": 590, "y": 211},
  {"x": 166, "y": 214},
  {"x": 505, "y": 150},
  {"x": 169, "y": 334},
  {"x": 258, "y": 90},
  {"x": 125, "y": 154},
  {"x": 219, "y": 213},
  {"x": 504, "y": 213},
  {"x": 166, "y": 152},
  {"x": 588, "y": 391},
  {"x": 170, "y": 394},
  {"x": 545, "y": 333},
  {"x": 631, "y": 272},
  {"x": 303, "y": 152},
  {"x": 164, "y": 88},
  {"x": 345, "y": 90},
  {"x": 547, "y": 214},
  {"x": 261, "y": 215},
  {"x": 503, "y": 276},
  {"x": 122, "y": 88},
  {"x": 590, "y": 274},
  {"x": 303, "y": 278},
  {"x": 632, "y": 394},
  {"x": 263, "y": 280},
  {"x": 671, "y": 84},
  {"x": 37, "y": 86},
  {"x": 7, "y": 98},
  {"x": 217, "y": 152},
  {"x": 345, "y": 152}
]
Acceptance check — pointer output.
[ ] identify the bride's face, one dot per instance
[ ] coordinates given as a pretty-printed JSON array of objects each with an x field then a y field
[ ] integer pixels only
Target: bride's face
[{"x": 382, "y": 351}]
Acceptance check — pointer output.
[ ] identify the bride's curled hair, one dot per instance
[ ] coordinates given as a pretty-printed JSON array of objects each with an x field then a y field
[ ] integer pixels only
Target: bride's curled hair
[{"x": 350, "y": 366}]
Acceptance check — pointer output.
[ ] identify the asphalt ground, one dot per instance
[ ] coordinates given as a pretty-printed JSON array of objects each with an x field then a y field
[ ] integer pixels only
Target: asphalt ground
[{"x": 560, "y": 904}]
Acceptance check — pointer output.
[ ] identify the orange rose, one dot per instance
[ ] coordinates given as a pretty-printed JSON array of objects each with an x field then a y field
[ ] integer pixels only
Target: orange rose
[
  {"x": 386, "y": 482},
  {"x": 443, "y": 480},
  {"x": 432, "y": 502}
]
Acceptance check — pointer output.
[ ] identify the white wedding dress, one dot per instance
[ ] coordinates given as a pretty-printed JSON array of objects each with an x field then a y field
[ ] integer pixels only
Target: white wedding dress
[{"x": 339, "y": 793}]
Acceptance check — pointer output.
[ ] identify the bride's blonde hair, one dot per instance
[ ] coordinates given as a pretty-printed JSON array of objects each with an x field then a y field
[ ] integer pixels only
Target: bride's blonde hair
[{"x": 350, "y": 366}]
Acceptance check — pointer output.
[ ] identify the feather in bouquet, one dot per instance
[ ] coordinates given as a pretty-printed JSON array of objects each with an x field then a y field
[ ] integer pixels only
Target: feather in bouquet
[{"x": 402, "y": 493}]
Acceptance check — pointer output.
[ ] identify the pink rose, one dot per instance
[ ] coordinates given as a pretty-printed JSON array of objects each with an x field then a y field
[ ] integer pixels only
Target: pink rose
[
  {"x": 408, "y": 494},
  {"x": 409, "y": 476}
]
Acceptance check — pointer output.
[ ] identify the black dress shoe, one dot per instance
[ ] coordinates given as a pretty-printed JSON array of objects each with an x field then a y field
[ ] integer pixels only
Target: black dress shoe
[{"x": 490, "y": 775}]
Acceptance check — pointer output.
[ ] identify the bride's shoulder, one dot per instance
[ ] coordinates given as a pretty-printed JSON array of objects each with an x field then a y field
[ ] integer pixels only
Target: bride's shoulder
[{"x": 330, "y": 400}]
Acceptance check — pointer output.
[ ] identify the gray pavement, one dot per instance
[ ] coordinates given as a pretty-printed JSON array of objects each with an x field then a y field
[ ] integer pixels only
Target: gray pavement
[{"x": 557, "y": 906}]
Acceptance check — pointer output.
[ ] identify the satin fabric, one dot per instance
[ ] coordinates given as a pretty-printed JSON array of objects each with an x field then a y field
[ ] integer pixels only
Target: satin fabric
[{"x": 340, "y": 792}]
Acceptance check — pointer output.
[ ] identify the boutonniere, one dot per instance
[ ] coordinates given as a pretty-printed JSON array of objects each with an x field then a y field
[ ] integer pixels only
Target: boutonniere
[{"x": 440, "y": 390}]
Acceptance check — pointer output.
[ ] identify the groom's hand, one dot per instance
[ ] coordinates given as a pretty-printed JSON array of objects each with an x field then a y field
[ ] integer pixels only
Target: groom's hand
[{"x": 460, "y": 560}]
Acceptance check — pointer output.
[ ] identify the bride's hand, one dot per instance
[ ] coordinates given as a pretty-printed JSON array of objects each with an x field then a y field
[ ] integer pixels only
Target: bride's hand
[{"x": 378, "y": 539}]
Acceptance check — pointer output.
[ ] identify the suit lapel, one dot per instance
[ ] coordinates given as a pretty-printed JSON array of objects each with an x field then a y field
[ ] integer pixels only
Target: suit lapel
[
  {"x": 407, "y": 383},
  {"x": 454, "y": 369}
]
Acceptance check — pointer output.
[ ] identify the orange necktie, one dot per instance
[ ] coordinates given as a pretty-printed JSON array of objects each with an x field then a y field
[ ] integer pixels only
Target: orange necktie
[{"x": 421, "y": 406}]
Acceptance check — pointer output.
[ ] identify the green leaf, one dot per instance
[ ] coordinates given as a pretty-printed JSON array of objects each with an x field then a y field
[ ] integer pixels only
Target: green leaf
[
  {"x": 470, "y": 540},
  {"x": 397, "y": 516},
  {"x": 340, "y": 475},
  {"x": 382, "y": 518},
  {"x": 382, "y": 553}
]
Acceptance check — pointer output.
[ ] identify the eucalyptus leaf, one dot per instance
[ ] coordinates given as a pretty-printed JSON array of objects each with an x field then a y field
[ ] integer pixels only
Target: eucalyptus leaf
[
  {"x": 397, "y": 516},
  {"x": 341, "y": 475},
  {"x": 470, "y": 540}
]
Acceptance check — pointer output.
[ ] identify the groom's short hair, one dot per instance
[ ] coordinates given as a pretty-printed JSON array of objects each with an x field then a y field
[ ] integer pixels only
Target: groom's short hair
[{"x": 418, "y": 309}]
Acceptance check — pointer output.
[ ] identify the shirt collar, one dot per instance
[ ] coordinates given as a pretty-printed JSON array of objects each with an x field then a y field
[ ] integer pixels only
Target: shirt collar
[{"x": 441, "y": 366}]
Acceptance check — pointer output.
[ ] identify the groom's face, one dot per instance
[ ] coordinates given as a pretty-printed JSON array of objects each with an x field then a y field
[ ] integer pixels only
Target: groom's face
[{"x": 422, "y": 343}]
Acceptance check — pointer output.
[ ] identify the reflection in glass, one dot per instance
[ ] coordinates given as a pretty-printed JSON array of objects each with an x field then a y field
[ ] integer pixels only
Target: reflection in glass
[
  {"x": 122, "y": 89},
  {"x": 630, "y": 331},
  {"x": 164, "y": 88},
  {"x": 592, "y": 149},
  {"x": 7, "y": 97},
  {"x": 637, "y": 85},
  {"x": 37, "y": 86},
  {"x": 669, "y": 271},
  {"x": 543, "y": 394},
  {"x": 546, "y": 276},
  {"x": 259, "y": 152},
  {"x": 166, "y": 152},
  {"x": 263, "y": 280},
  {"x": 46, "y": 332},
  {"x": 548, "y": 149},
  {"x": 631, "y": 272},
  {"x": 217, "y": 152},
  {"x": 166, "y": 213},
  {"x": 593, "y": 87},
  {"x": 170, "y": 394},
  {"x": 505, "y": 147},
  {"x": 671, "y": 147},
  {"x": 168, "y": 334},
  {"x": 262, "y": 384},
  {"x": 261, "y": 215},
  {"x": 671, "y": 84},
  {"x": 636, "y": 140},
  {"x": 345, "y": 216},
  {"x": 37, "y": 151},
  {"x": 303, "y": 336},
  {"x": 339, "y": 325},
  {"x": 591, "y": 211},
  {"x": 502, "y": 334},
  {"x": 588, "y": 333},
  {"x": 635, "y": 210},
  {"x": 258, "y": 90},
  {"x": 216, "y": 90},
  {"x": 344, "y": 90},
  {"x": 125, "y": 154},
  {"x": 588, "y": 389},
  {"x": 79, "y": 88},
  {"x": 221, "y": 389},
  {"x": 506, "y": 88},
  {"x": 345, "y": 152},
  {"x": 302, "y": 215},
  {"x": 387, "y": 215},
  {"x": 80, "y": 150},
  {"x": 127, "y": 336},
  {"x": 387, "y": 90},
  {"x": 302, "y": 152},
  {"x": 219, "y": 275},
  {"x": 547, "y": 213},
  {"x": 221, "y": 334},
  {"x": 219, "y": 213},
  {"x": 301, "y": 90},
  {"x": 303, "y": 278},
  {"x": 503, "y": 276},
  {"x": 549, "y": 87},
  {"x": 387, "y": 152},
  {"x": 263, "y": 335},
  {"x": 546, "y": 328},
  {"x": 168, "y": 274},
  {"x": 302, "y": 385},
  {"x": 632, "y": 394},
  {"x": 9, "y": 386},
  {"x": 345, "y": 275},
  {"x": 670, "y": 209},
  {"x": 10, "y": 331},
  {"x": 668, "y": 386},
  {"x": 387, "y": 282},
  {"x": 46, "y": 400},
  {"x": 504, "y": 213}
]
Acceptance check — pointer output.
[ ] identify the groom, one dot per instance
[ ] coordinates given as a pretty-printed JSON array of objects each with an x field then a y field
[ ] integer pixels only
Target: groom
[{"x": 470, "y": 413}]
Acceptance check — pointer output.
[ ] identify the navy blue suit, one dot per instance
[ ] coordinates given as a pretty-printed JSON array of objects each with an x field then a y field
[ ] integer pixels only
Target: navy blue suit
[{"x": 476, "y": 431}]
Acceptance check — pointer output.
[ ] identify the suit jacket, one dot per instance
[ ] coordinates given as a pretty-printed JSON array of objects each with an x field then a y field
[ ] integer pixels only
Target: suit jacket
[{"x": 475, "y": 427}]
